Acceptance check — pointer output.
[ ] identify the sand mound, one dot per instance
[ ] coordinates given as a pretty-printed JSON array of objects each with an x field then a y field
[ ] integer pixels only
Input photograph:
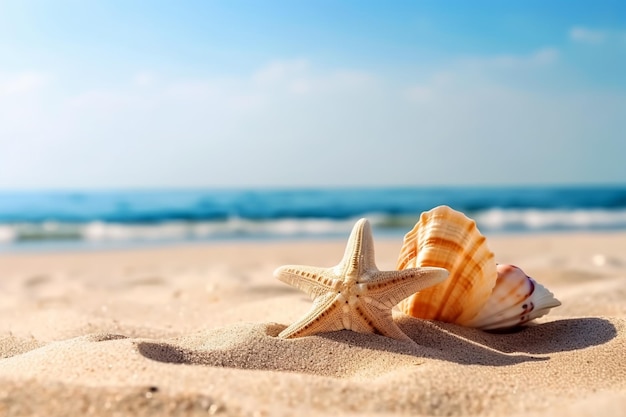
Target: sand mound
[{"x": 205, "y": 343}]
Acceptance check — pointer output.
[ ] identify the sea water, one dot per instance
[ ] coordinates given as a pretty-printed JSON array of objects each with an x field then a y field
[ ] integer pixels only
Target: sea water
[{"x": 96, "y": 218}]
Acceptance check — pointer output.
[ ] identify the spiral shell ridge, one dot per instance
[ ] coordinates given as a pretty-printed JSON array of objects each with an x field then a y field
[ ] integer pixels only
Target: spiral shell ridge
[
  {"x": 448, "y": 239},
  {"x": 478, "y": 293}
]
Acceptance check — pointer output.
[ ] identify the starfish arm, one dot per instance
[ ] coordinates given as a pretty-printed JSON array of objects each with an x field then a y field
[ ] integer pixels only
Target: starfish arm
[
  {"x": 359, "y": 253},
  {"x": 324, "y": 316},
  {"x": 391, "y": 287},
  {"x": 378, "y": 319},
  {"x": 311, "y": 280}
]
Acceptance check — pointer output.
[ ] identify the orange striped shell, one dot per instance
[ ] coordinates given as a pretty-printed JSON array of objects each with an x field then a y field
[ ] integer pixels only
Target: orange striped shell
[
  {"x": 448, "y": 239},
  {"x": 478, "y": 293}
]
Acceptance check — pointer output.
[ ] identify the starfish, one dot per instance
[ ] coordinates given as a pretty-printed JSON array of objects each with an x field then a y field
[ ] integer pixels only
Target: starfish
[{"x": 355, "y": 295}]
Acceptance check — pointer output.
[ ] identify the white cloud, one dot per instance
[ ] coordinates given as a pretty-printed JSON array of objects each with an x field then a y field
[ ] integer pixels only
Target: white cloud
[
  {"x": 299, "y": 78},
  {"x": 545, "y": 56},
  {"x": 279, "y": 71},
  {"x": 538, "y": 58},
  {"x": 597, "y": 36},
  {"x": 144, "y": 79},
  {"x": 245, "y": 101},
  {"x": 14, "y": 84},
  {"x": 24, "y": 105},
  {"x": 192, "y": 89},
  {"x": 420, "y": 93},
  {"x": 104, "y": 100},
  {"x": 585, "y": 35},
  {"x": 438, "y": 82},
  {"x": 481, "y": 70},
  {"x": 290, "y": 123},
  {"x": 300, "y": 86}
]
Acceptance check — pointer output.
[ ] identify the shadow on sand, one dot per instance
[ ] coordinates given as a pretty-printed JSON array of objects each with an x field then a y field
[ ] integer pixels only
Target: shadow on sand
[
  {"x": 257, "y": 346},
  {"x": 556, "y": 336}
]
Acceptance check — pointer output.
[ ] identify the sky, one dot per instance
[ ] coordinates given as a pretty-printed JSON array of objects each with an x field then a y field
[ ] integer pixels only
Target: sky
[{"x": 161, "y": 94}]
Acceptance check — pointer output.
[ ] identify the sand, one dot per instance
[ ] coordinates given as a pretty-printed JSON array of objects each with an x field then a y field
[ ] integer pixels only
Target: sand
[{"x": 192, "y": 331}]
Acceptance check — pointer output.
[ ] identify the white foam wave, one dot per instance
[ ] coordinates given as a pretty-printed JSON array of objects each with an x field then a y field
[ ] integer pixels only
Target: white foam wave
[
  {"x": 494, "y": 219},
  {"x": 499, "y": 219},
  {"x": 235, "y": 227},
  {"x": 7, "y": 234}
]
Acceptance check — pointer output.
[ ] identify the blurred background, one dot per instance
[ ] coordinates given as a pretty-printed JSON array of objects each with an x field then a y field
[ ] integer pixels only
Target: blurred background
[{"x": 125, "y": 123}]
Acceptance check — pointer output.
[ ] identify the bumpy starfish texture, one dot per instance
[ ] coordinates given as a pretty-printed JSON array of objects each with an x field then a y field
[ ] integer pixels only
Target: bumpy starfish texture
[{"x": 355, "y": 295}]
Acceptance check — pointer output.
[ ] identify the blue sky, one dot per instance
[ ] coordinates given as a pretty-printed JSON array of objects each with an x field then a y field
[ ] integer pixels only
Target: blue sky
[{"x": 110, "y": 94}]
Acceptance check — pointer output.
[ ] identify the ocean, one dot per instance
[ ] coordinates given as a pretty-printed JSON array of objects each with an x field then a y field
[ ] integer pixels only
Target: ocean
[{"x": 96, "y": 219}]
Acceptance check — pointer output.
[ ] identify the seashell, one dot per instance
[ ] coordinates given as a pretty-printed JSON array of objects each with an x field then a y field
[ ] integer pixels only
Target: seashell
[
  {"x": 516, "y": 299},
  {"x": 448, "y": 239},
  {"x": 478, "y": 293}
]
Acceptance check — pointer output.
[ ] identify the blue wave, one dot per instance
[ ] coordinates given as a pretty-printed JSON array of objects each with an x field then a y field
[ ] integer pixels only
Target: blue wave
[{"x": 158, "y": 215}]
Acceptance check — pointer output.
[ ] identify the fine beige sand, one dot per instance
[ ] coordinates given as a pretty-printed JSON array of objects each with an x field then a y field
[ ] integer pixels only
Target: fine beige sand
[{"x": 192, "y": 331}]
